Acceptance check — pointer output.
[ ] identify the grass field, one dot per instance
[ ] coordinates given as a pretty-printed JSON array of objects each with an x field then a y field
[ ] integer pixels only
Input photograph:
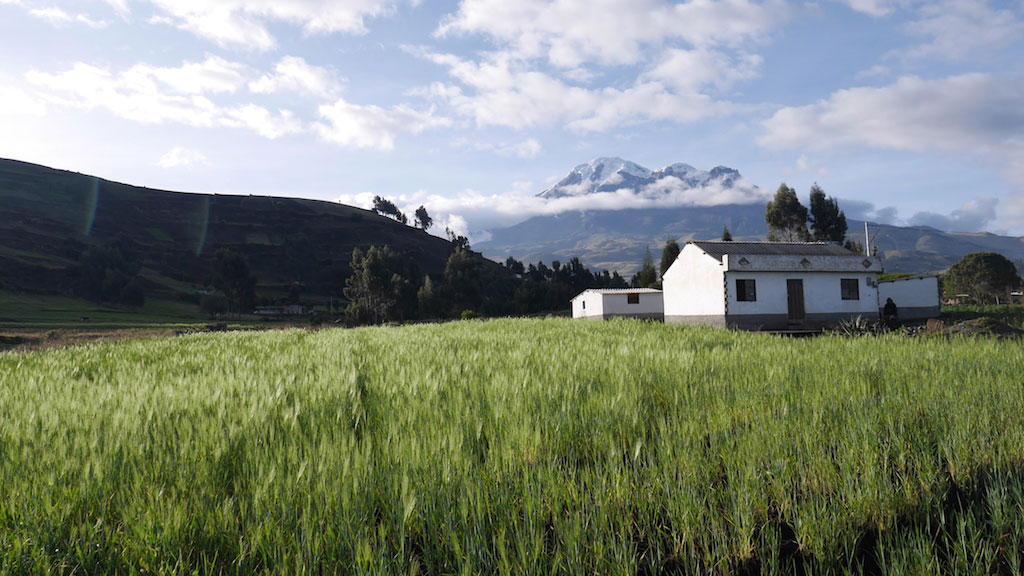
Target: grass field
[
  {"x": 514, "y": 447},
  {"x": 39, "y": 312}
]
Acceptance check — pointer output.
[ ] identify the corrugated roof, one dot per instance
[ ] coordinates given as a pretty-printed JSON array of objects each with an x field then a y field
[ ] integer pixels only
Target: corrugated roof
[{"x": 719, "y": 249}]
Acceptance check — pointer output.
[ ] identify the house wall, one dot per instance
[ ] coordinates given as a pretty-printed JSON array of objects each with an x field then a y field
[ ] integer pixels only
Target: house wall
[
  {"x": 593, "y": 308},
  {"x": 651, "y": 305},
  {"x": 915, "y": 298},
  {"x": 823, "y": 302},
  {"x": 693, "y": 289}
]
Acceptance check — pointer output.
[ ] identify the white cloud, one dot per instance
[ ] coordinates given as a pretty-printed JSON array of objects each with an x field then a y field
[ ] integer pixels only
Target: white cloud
[
  {"x": 120, "y": 7},
  {"x": 484, "y": 211},
  {"x": 355, "y": 126},
  {"x": 959, "y": 113},
  {"x": 974, "y": 216},
  {"x": 153, "y": 95},
  {"x": 262, "y": 121},
  {"x": 527, "y": 149},
  {"x": 693, "y": 70},
  {"x": 976, "y": 116},
  {"x": 956, "y": 29},
  {"x": 179, "y": 157},
  {"x": 58, "y": 17},
  {"x": 244, "y": 23},
  {"x": 665, "y": 57},
  {"x": 507, "y": 92},
  {"x": 15, "y": 102},
  {"x": 295, "y": 75},
  {"x": 569, "y": 33},
  {"x": 876, "y": 8}
]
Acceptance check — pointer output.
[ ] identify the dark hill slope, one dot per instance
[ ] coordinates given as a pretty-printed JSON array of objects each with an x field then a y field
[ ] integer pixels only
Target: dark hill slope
[{"x": 48, "y": 218}]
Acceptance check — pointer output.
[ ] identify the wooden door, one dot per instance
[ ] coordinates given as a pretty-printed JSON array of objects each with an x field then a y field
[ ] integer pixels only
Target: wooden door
[{"x": 795, "y": 291}]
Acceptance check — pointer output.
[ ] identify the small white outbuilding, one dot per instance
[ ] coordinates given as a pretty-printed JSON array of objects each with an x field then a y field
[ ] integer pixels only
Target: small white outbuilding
[
  {"x": 602, "y": 304},
  {"x": 915, "y": 298},
  {"x": 770, "y": 285}
]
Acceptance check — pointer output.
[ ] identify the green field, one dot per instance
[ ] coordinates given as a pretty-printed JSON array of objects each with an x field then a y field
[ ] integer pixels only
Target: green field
[{"x": 514, "y": 447}]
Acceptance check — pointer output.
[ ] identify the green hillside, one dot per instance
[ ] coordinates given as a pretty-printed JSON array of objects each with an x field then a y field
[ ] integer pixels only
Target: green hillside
[
  {"x": 49, "y": 218},
  {"x": 514, "y": 447}
]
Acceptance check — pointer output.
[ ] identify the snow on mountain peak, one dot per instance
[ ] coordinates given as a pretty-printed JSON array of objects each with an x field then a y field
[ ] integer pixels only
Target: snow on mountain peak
[{"x": 611, "y": 174}]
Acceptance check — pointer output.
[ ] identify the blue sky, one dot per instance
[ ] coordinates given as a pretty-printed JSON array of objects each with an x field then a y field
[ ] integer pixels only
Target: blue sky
[{"x": 908, "y": 111}]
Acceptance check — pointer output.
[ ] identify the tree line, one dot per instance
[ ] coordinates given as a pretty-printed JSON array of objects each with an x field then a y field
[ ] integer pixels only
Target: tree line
[{"x": 386, "y": 286}]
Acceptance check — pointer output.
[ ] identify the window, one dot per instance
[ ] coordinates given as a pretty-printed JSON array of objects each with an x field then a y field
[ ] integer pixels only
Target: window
[
  {"x": 850, "y": 288},
  {"x": 746, "y": 291},
  {"x": 584, "y": 304},
  {"x": 632, "y": 298}
]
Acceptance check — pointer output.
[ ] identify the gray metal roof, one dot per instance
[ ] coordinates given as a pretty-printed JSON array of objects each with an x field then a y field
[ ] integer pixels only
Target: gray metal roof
[
  {"x": 618, "y": 291},
  {"x": 719, "y": 249}
]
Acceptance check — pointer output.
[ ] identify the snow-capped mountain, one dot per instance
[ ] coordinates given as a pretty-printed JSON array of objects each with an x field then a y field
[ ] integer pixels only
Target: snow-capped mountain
[{"x": 612, "y": 174}]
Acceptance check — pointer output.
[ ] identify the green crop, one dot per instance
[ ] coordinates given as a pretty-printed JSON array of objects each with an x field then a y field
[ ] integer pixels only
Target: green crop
[{"x": 513, "y": 447}]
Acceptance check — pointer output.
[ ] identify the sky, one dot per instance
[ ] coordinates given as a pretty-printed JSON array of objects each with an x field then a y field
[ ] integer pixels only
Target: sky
[{"x": 909, "y": 112}]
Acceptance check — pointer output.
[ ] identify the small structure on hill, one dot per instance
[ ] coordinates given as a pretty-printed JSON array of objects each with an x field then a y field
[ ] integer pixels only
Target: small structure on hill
[
  {"x": 602, "y": 304},
  {"x": 770, "y": 285},
  {"x": 916, "y": 298}
]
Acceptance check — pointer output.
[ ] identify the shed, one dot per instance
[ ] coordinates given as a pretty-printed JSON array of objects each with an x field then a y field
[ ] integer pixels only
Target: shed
[
  {"x": 602, "y": 304},
  {"x": 915, "y": 298},
  {"x": 770, "y": 285}
]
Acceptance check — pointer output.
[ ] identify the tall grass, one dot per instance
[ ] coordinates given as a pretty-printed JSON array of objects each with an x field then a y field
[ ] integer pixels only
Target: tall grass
[{"x": 511, "y": 447}]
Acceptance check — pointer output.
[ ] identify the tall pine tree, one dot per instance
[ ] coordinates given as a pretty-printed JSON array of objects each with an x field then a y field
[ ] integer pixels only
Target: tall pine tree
[
  {"x": 828, "y": 222},
  {"x": 786, "y": 217}
]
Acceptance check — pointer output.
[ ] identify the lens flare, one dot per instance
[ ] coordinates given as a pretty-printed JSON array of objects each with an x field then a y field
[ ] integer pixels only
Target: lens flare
[{"x": 93, "y": 200}]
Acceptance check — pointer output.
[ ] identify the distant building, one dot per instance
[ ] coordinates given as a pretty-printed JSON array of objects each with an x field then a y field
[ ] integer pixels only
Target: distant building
[
  {"x": 619, "y": 303},
  {"x": 770, "y": 285},
  {"x": 916, "y": 298}
]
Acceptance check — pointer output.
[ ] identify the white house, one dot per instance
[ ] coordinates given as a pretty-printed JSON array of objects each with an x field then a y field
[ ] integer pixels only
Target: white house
[
  {"x": 612, "y": 303},
  {"x": 769, "y": 285},
  {"x": 915, "y": 298}
]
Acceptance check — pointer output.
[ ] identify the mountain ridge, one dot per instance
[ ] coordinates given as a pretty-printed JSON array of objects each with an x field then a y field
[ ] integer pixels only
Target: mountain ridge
[
  {"x": 617, "y": 239},
  {"x": 611, "y": 173}
]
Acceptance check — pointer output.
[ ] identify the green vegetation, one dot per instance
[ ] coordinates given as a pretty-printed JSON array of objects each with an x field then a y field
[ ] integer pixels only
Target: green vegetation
[
  {"x": 1012, "y": 315},
  {"x": 986, "y": 277},
  {"x": 514, "y": 447},
  {"x": 40, "y": 312}
]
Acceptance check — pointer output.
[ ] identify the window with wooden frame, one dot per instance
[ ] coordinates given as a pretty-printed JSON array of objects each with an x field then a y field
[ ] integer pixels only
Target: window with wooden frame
[
  {"x": 633, "y": 298},
  {"x": 746, "y": 291},
  {"x": 850, "y": 288}
]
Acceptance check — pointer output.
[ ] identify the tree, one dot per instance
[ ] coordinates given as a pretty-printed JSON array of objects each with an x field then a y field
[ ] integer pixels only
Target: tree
[
  {"x": 423, "y": 220},
  {"x": 726, "y": 235},
  {"x": 986, "y": 276},
  {"x": 110, "y": 274},
  {"x": 462, "y": 280},
  {"x": 232, "y": 277},
  {"x": 828, "y": 222},
  {"x": 374, "y": 286},
  {"x": 647, "y": 277},
  {"x": 457, "y": 239},
  {"x": 386, "y": 207},
  {"x": 786, "y": 217},
  {"x": 668, "y": 255}
]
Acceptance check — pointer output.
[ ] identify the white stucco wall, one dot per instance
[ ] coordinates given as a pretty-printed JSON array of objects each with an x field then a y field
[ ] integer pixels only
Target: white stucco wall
[
  {"x": 914, "y": 297},
  {"x": 693, "y": 285},
  {"x": 822, "y": 293},
  {"x": 650, "y": 304},
  {"x": 593, "y": 308}
]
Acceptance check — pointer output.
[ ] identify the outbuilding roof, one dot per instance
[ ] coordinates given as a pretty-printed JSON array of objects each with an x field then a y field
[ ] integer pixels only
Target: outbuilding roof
[
  {"x": 618, "y": 291},
  {"x": 717, "y": 249},
  {"x": 623, "y": 290}
]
